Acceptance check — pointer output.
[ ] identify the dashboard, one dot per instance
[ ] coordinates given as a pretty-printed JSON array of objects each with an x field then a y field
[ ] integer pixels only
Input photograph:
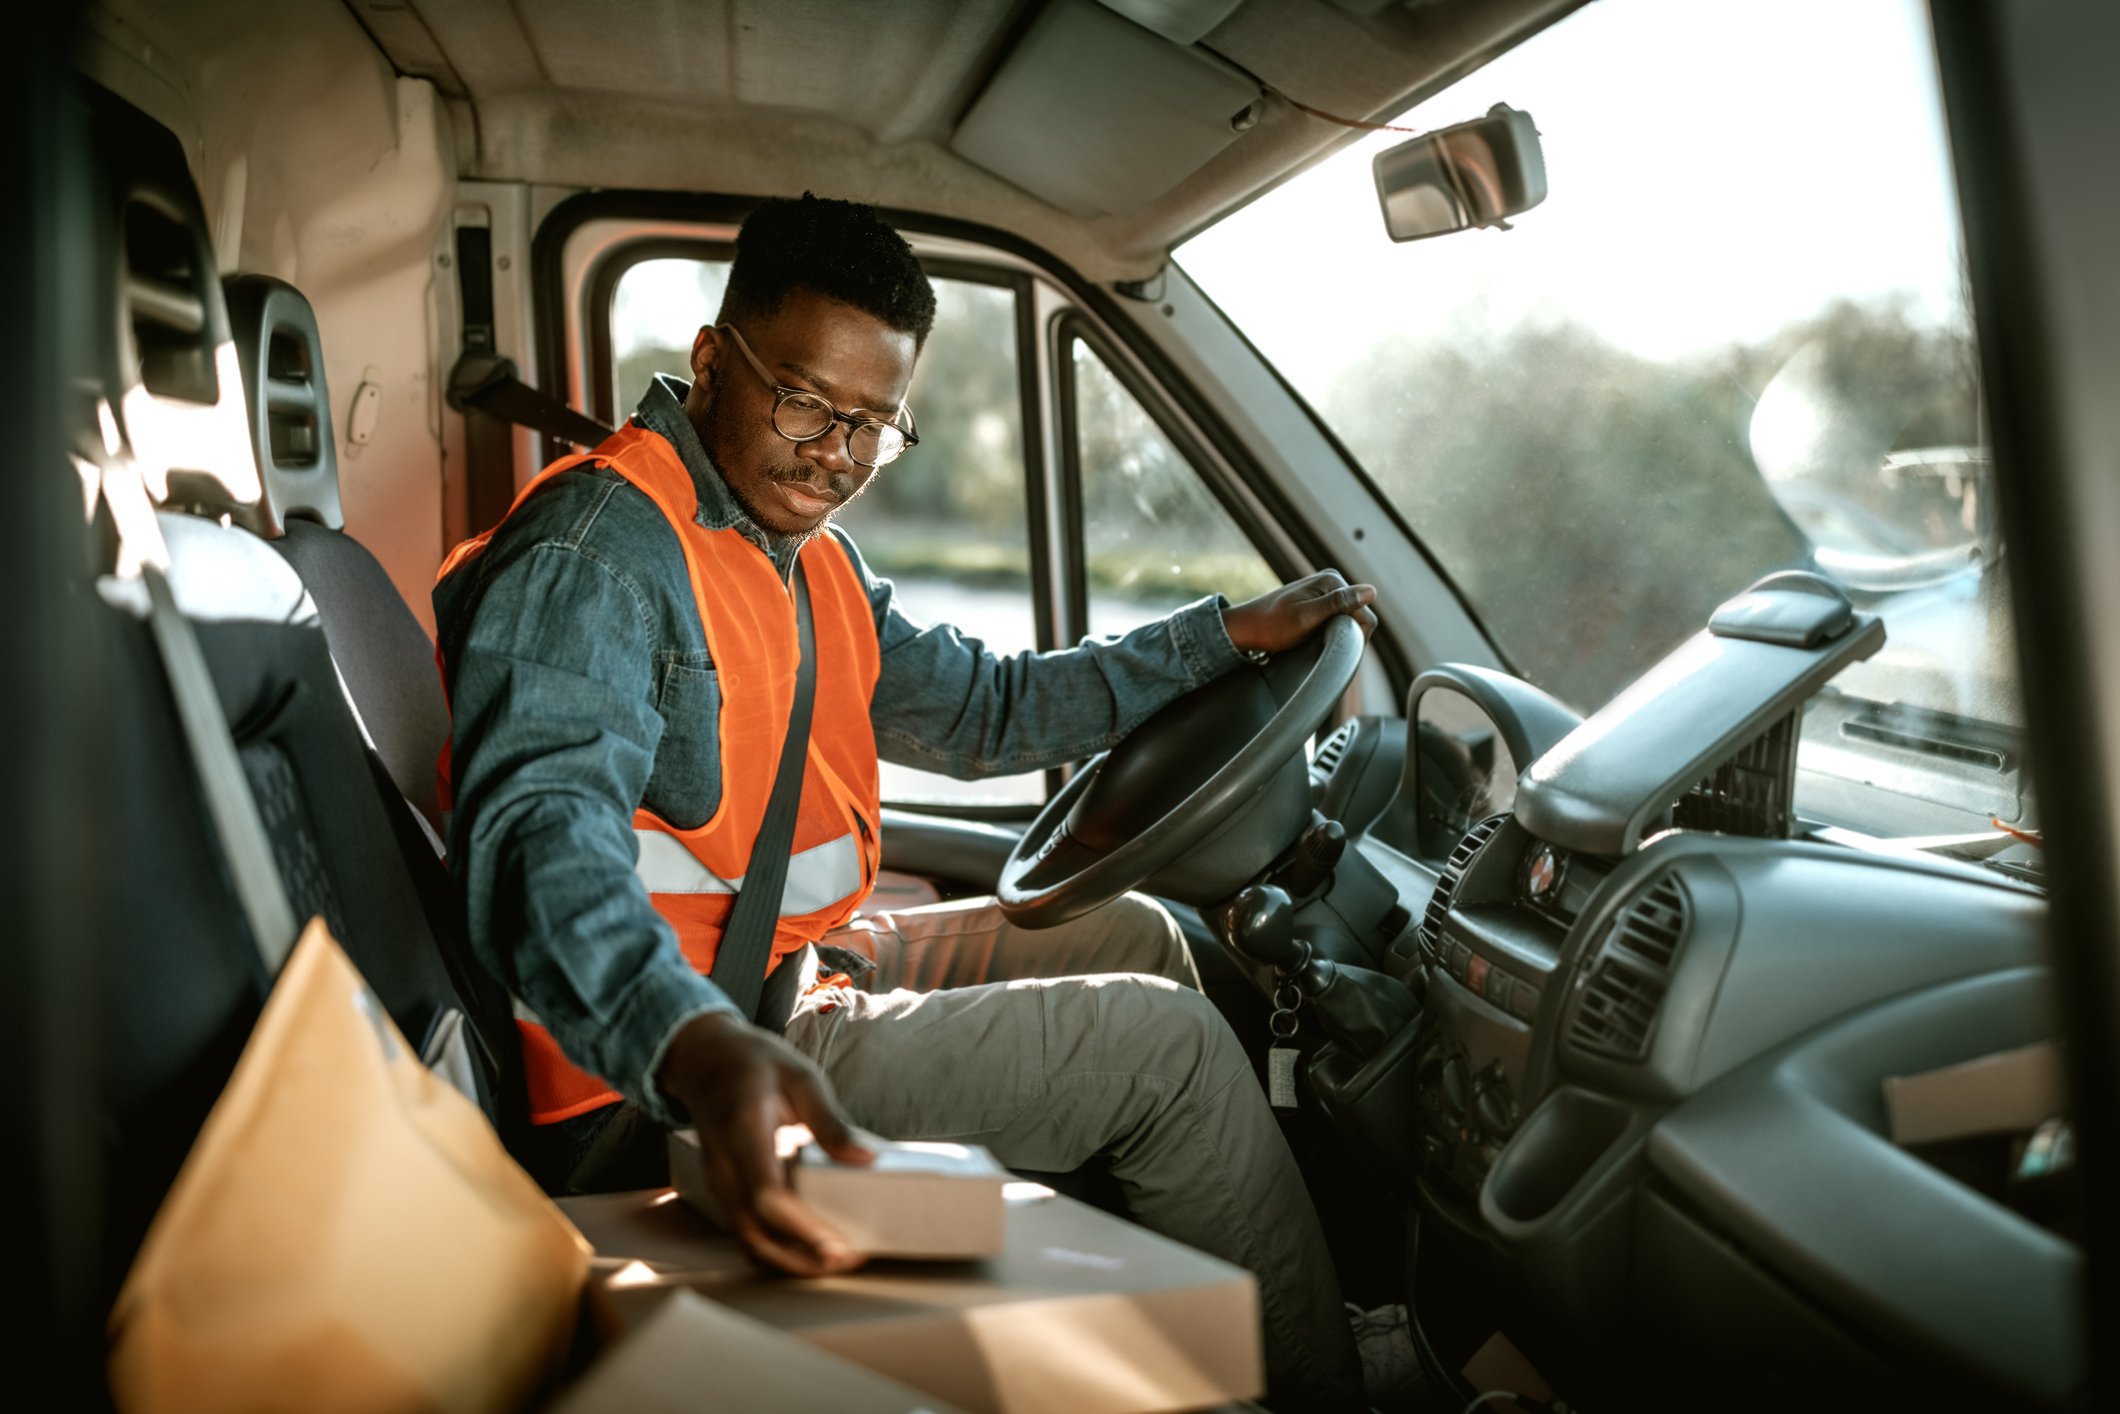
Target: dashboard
[{"x": 1644, "y": 1093}]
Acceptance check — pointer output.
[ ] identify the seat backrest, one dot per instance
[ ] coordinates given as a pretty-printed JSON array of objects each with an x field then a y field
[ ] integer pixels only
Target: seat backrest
[
  {"x": 183, "y": 980},
  {"x": 180, "y": 982},
  {"x": 383, "y": 654}
]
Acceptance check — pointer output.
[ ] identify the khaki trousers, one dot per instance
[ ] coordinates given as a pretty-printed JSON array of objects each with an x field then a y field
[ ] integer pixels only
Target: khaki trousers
[{"x": 1089, "y": 1041}]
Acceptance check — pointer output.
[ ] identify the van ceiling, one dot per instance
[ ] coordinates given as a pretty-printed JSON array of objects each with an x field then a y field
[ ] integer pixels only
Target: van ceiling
[{"x": 1100, "y": 139}]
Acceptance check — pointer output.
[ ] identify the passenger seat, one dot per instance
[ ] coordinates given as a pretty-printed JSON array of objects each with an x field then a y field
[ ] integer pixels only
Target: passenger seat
[
  {"x": 382, "y": 653},
  {"x": 385, "y": 660},
  {"x": 341, "y": 842}
]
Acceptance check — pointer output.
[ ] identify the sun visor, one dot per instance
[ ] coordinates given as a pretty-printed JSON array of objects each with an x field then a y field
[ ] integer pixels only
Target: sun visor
[
  {"x": 1179, "y": 21},
  {"x": 1099, "y": 116}
]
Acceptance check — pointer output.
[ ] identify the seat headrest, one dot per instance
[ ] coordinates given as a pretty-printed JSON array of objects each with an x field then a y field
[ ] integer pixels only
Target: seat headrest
[
  {"x": 172, "y": 375},
  {"x": 218, "y": 574},
  {"x": 282, "y": 358}
]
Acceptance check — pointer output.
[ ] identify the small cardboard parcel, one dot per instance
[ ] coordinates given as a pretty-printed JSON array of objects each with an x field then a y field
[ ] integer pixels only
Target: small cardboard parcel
[{"x": 915, "y": 1200}]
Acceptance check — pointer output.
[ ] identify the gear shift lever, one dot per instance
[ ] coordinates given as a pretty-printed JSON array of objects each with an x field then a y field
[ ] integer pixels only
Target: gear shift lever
[
  {"x": 1262, "y": 926},
  {"x": 1359, "y": 1009}
]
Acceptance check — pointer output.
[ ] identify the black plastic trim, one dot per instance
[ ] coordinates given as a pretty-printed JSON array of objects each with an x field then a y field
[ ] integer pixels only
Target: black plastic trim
[
  {"x": 1789, "y": 1157},
  {"x": 1070, "y": 328},
  {"x": 603, "y": 287},
  {"x": 59, "y": 777},
  {"x": 2006, "y": 100},
  {"x": 1066, "y": 411}
]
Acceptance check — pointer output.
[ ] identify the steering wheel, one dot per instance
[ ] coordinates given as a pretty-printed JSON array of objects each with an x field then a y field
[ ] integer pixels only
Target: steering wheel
[{"x": 1176, "y": 779}]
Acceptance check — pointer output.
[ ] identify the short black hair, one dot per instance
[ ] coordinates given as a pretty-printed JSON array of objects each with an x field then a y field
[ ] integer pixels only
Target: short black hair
[{"x": 841, "y": 249}]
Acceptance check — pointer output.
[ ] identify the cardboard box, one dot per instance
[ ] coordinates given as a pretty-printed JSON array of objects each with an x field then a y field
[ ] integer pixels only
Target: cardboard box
[
  {"x": 688, "y": 1353},
  {"x": 2008, "y": 1092},
  {"x": 1499, "y": 1365},
  {"x": 1081, "y": 1313},
  {"x": 936, "y": 1201}
]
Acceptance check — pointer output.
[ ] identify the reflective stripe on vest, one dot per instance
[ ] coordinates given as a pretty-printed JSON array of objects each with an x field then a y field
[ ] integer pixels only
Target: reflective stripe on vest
[
  {"x": 817, "y": 877},
  {"x": 691, "y": 876}
]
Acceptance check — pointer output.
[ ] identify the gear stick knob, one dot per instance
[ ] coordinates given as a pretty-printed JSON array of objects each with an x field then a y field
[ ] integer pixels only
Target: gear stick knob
[{"x": 1262, "y": 926}]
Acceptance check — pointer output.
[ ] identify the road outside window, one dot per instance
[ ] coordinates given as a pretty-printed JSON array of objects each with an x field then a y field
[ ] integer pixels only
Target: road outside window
[{"x": 1153, "y": 537}]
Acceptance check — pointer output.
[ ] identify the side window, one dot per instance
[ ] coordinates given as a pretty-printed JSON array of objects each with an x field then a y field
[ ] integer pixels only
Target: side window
[
  {"x": 947, "y": 523},
  {"x": 1154, "y": 537},
  {"x": 656, "y": 309}
]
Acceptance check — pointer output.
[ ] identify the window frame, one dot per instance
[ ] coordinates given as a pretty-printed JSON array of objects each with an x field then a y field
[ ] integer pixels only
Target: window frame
[
  {"x": 1068, "y": 329},
  {"x": 598, "y": 362}
]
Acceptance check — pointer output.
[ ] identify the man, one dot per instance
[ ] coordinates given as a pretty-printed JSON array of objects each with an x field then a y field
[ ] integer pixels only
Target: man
[{"x": 620, "y": 654}]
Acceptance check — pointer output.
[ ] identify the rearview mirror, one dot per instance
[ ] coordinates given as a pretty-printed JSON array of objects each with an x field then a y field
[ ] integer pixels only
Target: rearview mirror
[{"x": 1472, "y": 174}]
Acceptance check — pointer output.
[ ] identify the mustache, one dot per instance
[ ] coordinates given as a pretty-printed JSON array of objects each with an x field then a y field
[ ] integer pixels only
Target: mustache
[{"x": 839, "y": 484}]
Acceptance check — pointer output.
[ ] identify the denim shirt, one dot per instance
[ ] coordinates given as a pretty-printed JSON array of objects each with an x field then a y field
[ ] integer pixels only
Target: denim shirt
[{"x": 580, "y": 686}]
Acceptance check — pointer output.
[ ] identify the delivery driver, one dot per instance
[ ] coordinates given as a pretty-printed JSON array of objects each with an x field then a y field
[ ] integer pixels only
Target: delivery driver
[{"x": 619, "y": 653}]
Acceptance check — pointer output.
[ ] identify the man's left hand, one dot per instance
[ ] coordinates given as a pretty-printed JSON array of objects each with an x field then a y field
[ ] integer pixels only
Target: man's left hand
[{"x": 1282, "y": 618}]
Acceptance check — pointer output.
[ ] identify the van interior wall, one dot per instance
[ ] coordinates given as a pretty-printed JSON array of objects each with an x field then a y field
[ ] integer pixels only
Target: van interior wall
[{"x": 318, "y": 164}]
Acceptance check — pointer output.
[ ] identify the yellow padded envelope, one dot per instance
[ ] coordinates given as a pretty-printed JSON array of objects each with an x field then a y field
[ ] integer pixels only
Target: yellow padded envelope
[{"x": 346, "y": 1233}]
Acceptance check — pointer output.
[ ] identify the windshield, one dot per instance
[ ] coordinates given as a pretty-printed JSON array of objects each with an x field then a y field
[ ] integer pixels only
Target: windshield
[{"x": 1733, "y": 339}]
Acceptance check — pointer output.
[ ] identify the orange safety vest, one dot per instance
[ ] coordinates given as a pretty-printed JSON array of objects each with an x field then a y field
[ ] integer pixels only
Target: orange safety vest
[{"x": 749, "y": 616}]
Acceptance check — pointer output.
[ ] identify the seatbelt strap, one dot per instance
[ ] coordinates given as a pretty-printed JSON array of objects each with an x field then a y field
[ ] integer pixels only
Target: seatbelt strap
[
  {"x": 740, "y": 963},
  {"x": 229, "y": 803},
  {"x": 486, "y": 382}
]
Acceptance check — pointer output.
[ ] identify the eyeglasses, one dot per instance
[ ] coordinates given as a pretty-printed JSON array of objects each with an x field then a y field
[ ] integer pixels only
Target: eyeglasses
[{"x": 802, "y": 416}]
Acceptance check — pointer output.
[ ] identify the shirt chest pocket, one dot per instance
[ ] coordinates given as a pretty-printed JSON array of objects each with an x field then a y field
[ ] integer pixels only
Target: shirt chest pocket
[{"x": 685, "y": 786}]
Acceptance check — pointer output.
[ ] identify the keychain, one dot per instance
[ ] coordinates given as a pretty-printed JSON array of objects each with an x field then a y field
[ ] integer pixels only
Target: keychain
[{"x": 1281, "y": 1056}]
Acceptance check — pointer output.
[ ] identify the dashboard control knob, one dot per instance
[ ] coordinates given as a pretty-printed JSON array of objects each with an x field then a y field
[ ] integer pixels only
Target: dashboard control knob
[
  {"x": 1456, "y": 1085},
  {"x": 1317, "y": 852},
  {"x": 1491, "y": 1103}
]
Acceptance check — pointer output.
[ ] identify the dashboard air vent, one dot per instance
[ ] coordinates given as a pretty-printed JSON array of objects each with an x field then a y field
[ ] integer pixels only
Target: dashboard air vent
[
  {"x": 1617, "y": 1011},
  {"x": 1331, "y": 750},
  {"x": 1446, "y": 885}
]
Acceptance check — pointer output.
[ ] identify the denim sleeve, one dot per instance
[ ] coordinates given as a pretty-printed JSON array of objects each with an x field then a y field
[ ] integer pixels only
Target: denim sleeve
[
  {"x": 555, "y": 731},
  {"x": 944, "y": 703}
]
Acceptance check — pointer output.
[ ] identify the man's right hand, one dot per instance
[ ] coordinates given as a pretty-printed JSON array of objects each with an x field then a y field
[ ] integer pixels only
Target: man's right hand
[{"x": 738, "y": 1085}]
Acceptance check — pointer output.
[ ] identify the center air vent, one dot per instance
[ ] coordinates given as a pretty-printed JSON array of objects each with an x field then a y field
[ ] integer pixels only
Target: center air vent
[
  {"x": 1446, "y": 886},
  {"x": 1616, "y": 1013}
]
